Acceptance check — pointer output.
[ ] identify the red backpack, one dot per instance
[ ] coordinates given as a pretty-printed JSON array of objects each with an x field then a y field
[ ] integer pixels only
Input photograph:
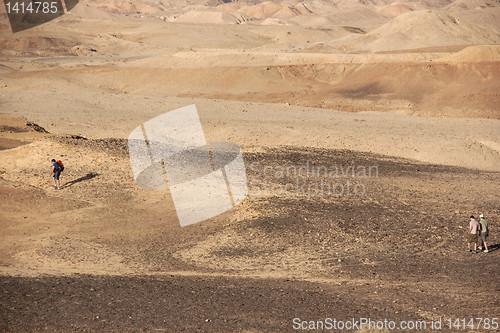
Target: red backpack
[{"x": 61, "y": 166}]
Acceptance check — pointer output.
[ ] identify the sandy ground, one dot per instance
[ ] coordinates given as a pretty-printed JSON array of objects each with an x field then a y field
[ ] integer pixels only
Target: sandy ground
[
  {"x": 321, "y": 83},
  {"x": 116, "y": 255}
]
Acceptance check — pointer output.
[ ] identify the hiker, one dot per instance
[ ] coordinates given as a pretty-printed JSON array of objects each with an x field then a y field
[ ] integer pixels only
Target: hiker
[
  {"x": 56, "y": 170},
  {"x": 484, "y": 233},
  {"x": 473, "y": 233}
]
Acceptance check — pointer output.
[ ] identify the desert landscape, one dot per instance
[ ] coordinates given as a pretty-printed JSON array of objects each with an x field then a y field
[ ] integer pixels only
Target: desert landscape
[{"x": 407, "y": 93}]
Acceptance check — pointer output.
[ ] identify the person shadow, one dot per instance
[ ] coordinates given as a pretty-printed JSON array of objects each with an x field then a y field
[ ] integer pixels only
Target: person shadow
[
  {"x": 493, "y": 247},
  {"x": 88, "y": 176}
]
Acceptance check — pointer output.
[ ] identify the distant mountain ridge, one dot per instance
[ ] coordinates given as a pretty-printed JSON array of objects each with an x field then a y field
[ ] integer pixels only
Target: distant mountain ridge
[{"x": 271, "y": 7}]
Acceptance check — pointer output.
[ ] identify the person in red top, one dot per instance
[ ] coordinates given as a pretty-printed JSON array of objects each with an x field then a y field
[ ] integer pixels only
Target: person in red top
[{"x": 473, "y": 233}]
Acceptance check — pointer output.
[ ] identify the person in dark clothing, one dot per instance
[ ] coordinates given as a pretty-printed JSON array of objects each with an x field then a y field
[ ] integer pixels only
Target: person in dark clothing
[{"x": 56, "y": 170}]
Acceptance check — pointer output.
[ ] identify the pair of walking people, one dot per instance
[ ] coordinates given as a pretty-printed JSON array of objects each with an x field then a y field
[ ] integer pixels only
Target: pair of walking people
[{"x": 478, "y": 233}]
